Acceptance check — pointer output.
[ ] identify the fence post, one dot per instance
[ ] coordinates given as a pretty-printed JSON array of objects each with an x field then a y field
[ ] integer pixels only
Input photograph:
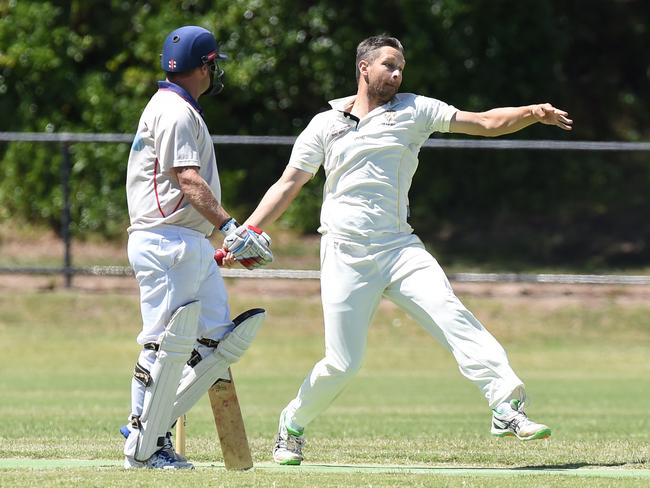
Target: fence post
[{"x": 65, "y": 215}]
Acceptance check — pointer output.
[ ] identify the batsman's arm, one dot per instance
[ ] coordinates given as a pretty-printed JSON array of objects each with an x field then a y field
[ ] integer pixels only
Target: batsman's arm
[
  {"x": 278, "y": 197},
  {"x": 200, "y": 196},
  {"x": 506, "y": 120}
]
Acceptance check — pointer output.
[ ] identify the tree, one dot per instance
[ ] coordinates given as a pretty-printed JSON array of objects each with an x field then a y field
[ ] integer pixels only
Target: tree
[{"x": 92, "y": 66}]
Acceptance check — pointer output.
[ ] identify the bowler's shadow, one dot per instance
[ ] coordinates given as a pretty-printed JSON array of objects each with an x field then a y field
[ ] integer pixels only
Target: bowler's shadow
[{"x": 570, "y": 466}]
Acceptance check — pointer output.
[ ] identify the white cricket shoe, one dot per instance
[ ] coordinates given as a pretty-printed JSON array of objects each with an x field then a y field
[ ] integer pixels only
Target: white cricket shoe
[
  {"x": 160, "y": 460},
  {"x": 509, "y": 419},
  {"x": 288, "y": 445}
]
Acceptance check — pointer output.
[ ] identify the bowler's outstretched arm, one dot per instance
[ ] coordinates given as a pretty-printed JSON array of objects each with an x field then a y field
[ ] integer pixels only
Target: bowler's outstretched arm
[{"x": 506, "y": 120}]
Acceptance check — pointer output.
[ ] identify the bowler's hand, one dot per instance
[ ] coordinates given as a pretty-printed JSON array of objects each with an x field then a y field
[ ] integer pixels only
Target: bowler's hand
[
  {"x": 224, "y": 258},
  {"x": 549, "y": 115},
  {"x": 229, "y": 260}
]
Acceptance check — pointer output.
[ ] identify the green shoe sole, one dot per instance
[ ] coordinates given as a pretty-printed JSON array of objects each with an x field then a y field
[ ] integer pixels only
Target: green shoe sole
[
  {"x": 503, "y": 434},
  {"x": 290, "y": 462},
  {"x": 542, "y": 434}
]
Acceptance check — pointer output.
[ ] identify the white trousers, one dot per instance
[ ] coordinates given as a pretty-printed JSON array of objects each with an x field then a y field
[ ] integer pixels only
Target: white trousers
[
  {"x": 174, "y": 266},
  {"x": 354, "y": 277}
]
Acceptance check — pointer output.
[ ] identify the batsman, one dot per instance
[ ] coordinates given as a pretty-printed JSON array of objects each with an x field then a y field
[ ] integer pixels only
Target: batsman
[
  {"x": 368, "y": 145},
  {"x": 174, "y": 198}
]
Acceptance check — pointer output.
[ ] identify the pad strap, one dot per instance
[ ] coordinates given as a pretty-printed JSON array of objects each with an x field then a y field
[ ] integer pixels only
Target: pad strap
[
  {"x": 142, "y": 375},
  {"x": 208, "y": 342}
]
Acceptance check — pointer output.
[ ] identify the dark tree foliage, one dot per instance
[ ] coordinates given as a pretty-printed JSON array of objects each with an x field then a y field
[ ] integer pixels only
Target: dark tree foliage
[{"x": 89, "y": 66}]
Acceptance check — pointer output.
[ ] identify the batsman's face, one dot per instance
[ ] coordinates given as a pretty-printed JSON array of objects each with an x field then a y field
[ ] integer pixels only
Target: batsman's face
[
  {"x": 206, "y": 78},
  {"x": 383, "y": 74}
]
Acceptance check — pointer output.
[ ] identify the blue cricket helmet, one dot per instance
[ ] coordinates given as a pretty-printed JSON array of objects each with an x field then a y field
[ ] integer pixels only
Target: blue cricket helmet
[{"x": 187, "y": 48}]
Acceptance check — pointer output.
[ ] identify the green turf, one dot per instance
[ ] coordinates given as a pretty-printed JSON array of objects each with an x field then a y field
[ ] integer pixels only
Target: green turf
[{"x": 66, "y": 360}]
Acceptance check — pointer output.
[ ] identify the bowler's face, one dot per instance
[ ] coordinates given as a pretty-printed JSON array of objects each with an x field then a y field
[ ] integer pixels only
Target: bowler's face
[{"x": 384, "y": 74}]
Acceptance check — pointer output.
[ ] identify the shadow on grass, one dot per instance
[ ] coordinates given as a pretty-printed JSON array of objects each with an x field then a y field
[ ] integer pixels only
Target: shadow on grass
[
  {"x": 451, "y": 469},
  {"x": 570, "y": 466}
]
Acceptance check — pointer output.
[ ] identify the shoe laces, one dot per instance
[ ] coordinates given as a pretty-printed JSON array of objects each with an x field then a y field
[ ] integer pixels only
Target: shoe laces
[
  {"x": 295, "y": 444},
  {"x": 168, "y": 448},
  {"x": 290, "y": 442},
  {"x": 519, "y": 419},
  {"x": 163, "y": 458},
  {"x": 516, "y": 417}
]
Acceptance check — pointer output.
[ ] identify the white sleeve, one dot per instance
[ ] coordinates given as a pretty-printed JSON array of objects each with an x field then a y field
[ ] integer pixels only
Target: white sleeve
[
  {"x": 434, "y": 115},
  {"x": 177, "y": 140},
  {"x": 308, "y": 151}
]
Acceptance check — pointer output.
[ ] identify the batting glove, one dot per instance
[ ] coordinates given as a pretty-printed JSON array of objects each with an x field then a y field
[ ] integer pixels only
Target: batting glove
[{"x": 250, "y": 245}]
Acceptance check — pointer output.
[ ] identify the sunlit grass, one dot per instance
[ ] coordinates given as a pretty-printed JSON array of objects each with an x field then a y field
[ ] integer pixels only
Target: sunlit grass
[{"x": 66, "y": 360}]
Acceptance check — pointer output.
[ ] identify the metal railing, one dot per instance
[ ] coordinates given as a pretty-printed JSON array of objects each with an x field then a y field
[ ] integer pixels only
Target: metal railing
[
  {"x": 65, "y": 139},
  {"x": 545, "y": 145},
  {"x": 309, "y": 274}
]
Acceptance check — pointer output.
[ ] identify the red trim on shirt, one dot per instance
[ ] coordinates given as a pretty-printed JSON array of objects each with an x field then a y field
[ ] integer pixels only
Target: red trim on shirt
[
  {"x": 155, "y": 189},
  {"x": 179, "y": 203}
]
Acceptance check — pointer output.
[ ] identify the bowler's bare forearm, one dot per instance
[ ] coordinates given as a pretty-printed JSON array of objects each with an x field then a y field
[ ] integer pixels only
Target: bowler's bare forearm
[
  {"x": 506, "y": 120},
  {"x": 278, "y": 197},
  {"x": 273, "y": 204}
]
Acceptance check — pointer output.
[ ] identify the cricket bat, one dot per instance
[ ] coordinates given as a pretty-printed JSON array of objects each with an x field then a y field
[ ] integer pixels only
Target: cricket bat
[{"x": 230, "y": 425}]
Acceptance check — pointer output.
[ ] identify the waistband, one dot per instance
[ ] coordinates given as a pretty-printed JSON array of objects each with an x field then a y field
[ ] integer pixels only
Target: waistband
[
  {"x": 167, "y": 230},
  {"x": 381, "y": 241}
]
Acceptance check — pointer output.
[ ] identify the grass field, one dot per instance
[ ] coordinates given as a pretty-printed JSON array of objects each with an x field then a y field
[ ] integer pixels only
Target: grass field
[{"x": 408, "y": 419}]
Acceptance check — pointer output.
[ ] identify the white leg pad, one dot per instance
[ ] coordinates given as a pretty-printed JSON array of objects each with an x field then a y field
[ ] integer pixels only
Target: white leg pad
[
  {"x": 208, "y": 370},
  {"x": 175, "y": 347}
]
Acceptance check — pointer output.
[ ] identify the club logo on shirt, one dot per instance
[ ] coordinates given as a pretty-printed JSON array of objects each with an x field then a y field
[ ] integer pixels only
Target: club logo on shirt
[
  {"x": 339, "y": 130},
  {"x": 138, "y": 143},
  {"x": 389, "y": 117}
]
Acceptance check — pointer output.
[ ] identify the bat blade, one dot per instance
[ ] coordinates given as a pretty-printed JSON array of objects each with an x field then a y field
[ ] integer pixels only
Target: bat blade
[{"x": 230, "y": 425}]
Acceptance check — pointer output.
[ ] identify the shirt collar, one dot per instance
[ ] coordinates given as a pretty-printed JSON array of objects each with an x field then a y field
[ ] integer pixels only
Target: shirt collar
[
  {"x": 181, "y": 92},
  {"x": 345, "y": 104}
]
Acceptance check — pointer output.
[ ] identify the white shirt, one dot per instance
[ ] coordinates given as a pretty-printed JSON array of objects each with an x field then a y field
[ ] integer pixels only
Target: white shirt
[
  {"x": 369, "y": 165},
  {"x": 171, "y": 133}
]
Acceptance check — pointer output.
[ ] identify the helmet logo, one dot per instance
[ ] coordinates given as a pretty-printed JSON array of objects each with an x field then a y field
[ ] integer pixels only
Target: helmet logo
[{"x": 172, "y": 64}]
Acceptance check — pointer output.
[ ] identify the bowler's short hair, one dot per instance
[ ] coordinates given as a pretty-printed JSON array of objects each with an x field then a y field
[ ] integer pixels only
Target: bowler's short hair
[{"x": 367, "y": 49}]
